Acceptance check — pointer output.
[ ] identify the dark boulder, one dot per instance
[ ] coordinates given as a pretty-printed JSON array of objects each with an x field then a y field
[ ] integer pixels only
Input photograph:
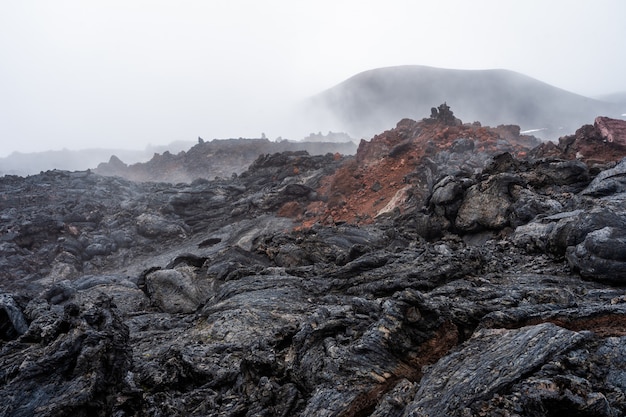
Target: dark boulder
[
  {"x": 487, "y": 205},
  {"x": 601, "y": 255},
  {"x": 455, "y": 385},
  {"x": 12, "y": 321},
  {"x": 608, "y": 182},
  {"x": 72, "y": 362}
]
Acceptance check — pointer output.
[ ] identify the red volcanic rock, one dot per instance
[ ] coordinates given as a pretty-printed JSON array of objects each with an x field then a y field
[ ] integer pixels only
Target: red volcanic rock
[
  {"x": 399, "y": 164},
  {"x": 604, "y": 141},
  {"x": 290, "y": 209},
  {"x": 613, "y": 130}
]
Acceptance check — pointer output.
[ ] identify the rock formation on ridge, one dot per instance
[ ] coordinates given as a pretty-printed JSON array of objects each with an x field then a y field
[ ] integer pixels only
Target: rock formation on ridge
[
  {"x": 408, "y": 161},
  {"x": 493, "y": 285},
  {"x": 603, "y": 141},
  {"x": 216, "y": 158}
]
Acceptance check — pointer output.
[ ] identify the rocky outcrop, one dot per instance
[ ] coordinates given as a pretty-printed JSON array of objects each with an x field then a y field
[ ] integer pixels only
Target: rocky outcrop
[
  {"x": 72, "y": 360},
  {"x": 602, "y": 142},
  {"x": 456, "y": 383},
  {"x": 217, "y": 158},
  {"x": 590, "y": 232},
  {"x": 600, "y": 255},
  {"x": 612, "y": 130},
  {"x": 492, "y": 285},
  {"x": 409, "y": 160},
  {"x": 12, "y": 321},
  {"x": 444, "y": 115}
]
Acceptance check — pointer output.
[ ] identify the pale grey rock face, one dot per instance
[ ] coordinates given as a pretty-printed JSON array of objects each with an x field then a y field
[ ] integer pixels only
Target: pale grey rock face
[
  {"x": 177, "y": 290},
  {"x": 153, "y": 226},
  {"x": 487, "y": 204}
]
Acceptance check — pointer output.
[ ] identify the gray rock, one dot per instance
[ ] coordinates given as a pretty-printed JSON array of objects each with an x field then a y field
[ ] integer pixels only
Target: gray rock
[
  {"x": 560, "y": 232},
  {"x": 463, "y": 378},
  {"x": 608, "y": 182},
  {"x": 152, "y": 226},
  {"x": 528, "y": 205},
  {"x": 78, "y": 369},
  {"x": 487, "y": 205},
  {"x": 220, "y": 308},
  {"x": 12, "y": 321},
  {"x": 177, "y": 290},
  {"x": 601, "y": 255},
  {"x": 447, "y": 196},
  {"x": 614, "y": 350},
  {"x": 446, "y": 191},
  {"x": 558, "y": 173}
]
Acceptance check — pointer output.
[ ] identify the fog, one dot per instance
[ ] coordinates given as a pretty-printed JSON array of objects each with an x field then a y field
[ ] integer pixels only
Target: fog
[
  {"x": 375, "y": 100},
  {"x": 128, "y": 74}
]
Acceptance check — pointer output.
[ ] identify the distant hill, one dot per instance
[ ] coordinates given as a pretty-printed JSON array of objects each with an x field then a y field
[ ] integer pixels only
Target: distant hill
[
  {"x": 177, "y": 162},
  {"x": 376, "y": 100},
  {"x": 217, "y": 158},
  {"x": 618, "y": 98},
  {"x": 31, "y": 163}
]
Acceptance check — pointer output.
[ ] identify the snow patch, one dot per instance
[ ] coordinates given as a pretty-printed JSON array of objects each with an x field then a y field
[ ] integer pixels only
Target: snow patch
[{"x": 526, "y": 132}]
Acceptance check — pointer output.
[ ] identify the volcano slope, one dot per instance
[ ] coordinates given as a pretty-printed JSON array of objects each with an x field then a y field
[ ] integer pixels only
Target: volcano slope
[
  {"x": 492, "y": 284},
  {"x": 373, "y": 100}
]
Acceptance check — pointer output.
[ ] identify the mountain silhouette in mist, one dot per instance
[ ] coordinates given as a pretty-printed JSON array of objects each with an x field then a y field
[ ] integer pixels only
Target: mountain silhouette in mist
[
  {"x": 375, "y": 100},
  {"x": 618, "y": 98},
  {"x": 30, "y": 163}
]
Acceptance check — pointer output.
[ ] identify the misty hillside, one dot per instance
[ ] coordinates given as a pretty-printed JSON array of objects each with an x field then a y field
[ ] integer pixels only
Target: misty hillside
[
  {"x": 31, "y": 163},
  {"x": 374, "y": 100},
  {"x": 618, "y": 98}
]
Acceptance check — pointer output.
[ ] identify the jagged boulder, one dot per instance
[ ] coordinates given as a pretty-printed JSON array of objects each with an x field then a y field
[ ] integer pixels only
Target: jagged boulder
[
  {"x": 612, "y": 130},
  {"x": 447, "y": 196},
  {"x": 487, "y": 205},
  {"x": 601, "y": 255},
  {"x": 608, "y": 182},
  {"x": 71, "y": 361},
  {"x": 12, "y": 321},
  {"x": 177, "y": 290},
  {"x": 461, "y": 380}
]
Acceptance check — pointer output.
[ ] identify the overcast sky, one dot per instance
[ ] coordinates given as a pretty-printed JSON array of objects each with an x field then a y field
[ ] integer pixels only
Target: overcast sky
[{"x": 127, "y": 73}]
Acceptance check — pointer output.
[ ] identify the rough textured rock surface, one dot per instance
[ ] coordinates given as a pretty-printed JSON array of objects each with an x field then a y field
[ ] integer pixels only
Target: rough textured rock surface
[
  {"x": 493, "y": 286},
  {"x": 591, "y": 232},
  {"x": 602, "y": 142},
  {"x": 464, "y": 378},
  {"x": 73, "y": 360},
  {"x": 399, "y": 168},
  {"x": 612, "y": 130}
]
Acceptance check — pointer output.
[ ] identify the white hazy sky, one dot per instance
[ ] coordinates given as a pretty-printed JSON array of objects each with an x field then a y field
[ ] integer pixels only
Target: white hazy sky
[{"x": 127, "y": 73}]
